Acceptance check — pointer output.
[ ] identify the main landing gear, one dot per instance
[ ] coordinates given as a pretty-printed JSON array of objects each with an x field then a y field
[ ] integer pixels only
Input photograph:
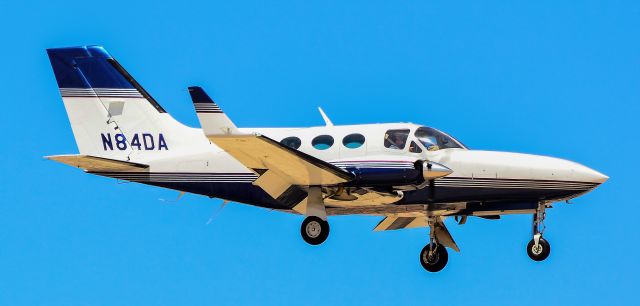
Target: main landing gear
[
  {"x": 434, "y": 257},
  {"x": 538, "y": 248},
  {"x": 314, "y": 230}
]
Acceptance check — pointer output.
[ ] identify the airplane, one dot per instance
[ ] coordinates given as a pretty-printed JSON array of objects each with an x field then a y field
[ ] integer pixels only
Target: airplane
[{"x": 411, "y": 175}]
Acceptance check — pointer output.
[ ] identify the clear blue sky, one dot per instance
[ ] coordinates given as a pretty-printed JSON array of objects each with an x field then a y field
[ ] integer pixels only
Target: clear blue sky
[{"x": 559, "y": 78}]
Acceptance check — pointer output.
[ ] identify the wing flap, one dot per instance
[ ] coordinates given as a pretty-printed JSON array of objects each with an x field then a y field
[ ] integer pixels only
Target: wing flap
[
  {"x": 272, "y": 183},
  {"x": 95, "y": 164},
  {"x": 390, "y": 223},
  {"x": 395, "y": 222}
]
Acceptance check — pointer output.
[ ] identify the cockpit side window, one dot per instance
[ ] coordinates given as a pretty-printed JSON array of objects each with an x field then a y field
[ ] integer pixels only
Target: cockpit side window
[
  {"x": 396, "y": 139},
  {"x": 414, "y": 147},
  {"x": 433, "y": 139}
]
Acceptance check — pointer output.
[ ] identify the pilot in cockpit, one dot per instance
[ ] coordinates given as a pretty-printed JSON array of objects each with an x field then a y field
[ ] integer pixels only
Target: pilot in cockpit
[
  {"x": 429, "y": 142},
  {"x": 397, "y": 141}
]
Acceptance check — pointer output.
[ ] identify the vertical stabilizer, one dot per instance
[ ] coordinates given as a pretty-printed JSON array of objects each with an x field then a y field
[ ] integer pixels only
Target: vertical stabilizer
[{"x": 111, "y": 115}]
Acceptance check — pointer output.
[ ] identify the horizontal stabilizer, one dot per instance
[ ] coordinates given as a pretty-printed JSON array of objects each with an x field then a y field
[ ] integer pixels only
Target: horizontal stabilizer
[
  {"x": 280, "y": 165},
  {"x": 94, "y": 164}
]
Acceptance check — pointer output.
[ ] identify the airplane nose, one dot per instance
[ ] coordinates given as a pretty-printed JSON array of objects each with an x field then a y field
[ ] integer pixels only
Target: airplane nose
[
  {"x": 506, "y": 165},
  {"x": 587, "y": 174}
]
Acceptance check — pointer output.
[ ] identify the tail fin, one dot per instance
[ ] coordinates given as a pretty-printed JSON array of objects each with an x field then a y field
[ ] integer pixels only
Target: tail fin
[
  {"x": 212, "y": 119},
  {"x": 111, "y": 115}
]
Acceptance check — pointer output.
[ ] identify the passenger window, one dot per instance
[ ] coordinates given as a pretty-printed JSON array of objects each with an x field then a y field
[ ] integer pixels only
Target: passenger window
[
  {"x": 292, "y": 142},
  {"x": 414, "y": 148},
  {"x": 396, "y": 139},
  {"x": 353, "y": 141},
  {"x": 322, "y": 142}
]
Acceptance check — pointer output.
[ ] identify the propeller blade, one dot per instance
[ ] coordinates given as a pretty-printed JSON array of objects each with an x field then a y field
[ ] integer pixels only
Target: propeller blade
[
  {"x": 461, "y": 219},
  {"x": 432, "y": 190}
]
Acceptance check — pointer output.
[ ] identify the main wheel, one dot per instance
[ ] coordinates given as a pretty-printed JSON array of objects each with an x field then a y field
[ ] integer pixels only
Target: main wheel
[
  {"x": 539, "y": 252},
  {"x": 314, "y": 230},
  {"x": 436, "y": 260}
]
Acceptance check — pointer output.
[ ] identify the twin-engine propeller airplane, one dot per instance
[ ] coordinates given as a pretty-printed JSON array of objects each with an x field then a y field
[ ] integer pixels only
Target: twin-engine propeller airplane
[{"x": 412, "y": 175}]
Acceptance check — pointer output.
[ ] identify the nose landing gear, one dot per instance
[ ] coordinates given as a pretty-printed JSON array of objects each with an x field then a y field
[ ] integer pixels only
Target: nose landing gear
[
  {"x": 434, "y": 256},
  {"x": 538, "y": 248}
]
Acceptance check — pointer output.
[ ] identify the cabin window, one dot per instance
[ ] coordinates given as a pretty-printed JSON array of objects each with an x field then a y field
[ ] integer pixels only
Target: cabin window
[
  {"x": 353, "y": 141},
  {"x": 396, "y": 139},
  {"x": 291, "y": 142},
  {"x": 414, "y": 148},
  {"x": 322, "y": 142}
]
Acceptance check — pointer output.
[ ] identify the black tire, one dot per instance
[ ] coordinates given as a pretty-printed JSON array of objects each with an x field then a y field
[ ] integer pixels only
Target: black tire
[
  {"x": 541, "y": 253},
  {"x": 314, "y": 230},
  {"x": 437, "y": 261}
]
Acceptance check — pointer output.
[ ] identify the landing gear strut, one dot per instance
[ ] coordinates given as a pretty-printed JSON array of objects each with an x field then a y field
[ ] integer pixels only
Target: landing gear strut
[
  {"x": 538, "y": 248},
  {"x": 434, "y": 256}
]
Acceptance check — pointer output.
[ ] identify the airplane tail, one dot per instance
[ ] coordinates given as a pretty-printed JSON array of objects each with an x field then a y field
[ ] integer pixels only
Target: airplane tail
[{"x": 111, "y": 115}]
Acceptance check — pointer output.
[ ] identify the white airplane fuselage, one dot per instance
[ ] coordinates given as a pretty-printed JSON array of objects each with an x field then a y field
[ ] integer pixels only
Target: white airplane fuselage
[{"x": 494, "y": 182}]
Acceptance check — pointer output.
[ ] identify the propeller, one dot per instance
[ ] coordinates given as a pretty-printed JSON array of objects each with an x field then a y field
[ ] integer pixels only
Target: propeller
[
  {"x": 432, "y": 190},
  {"x": 460, "y": 219},
  {"x": 173, "y": 201},
  {"x": 430, "y": 172}
]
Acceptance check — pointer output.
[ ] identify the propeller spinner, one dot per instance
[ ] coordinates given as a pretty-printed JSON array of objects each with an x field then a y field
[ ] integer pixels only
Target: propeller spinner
[{"x": 431, "y": 170}]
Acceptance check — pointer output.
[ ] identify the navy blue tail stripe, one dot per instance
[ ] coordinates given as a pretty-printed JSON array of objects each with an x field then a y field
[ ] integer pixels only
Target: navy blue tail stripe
[{"x": 92, "y": 67}]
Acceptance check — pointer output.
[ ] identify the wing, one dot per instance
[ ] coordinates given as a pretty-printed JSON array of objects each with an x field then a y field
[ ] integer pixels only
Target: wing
[{"x": 279, "y": 166}]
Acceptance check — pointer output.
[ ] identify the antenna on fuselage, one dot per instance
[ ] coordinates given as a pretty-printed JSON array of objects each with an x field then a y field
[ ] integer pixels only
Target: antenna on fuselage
[{"x": 327, "y": 121}]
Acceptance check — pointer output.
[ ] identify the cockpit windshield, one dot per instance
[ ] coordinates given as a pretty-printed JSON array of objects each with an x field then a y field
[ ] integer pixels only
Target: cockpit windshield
[{"x": 433, "y": 139}]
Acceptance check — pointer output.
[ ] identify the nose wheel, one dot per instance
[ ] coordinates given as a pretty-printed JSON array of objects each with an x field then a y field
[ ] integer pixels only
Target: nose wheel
[
  {"x": 314, "y": 230},
  {"x": 538, "y": 248}
]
